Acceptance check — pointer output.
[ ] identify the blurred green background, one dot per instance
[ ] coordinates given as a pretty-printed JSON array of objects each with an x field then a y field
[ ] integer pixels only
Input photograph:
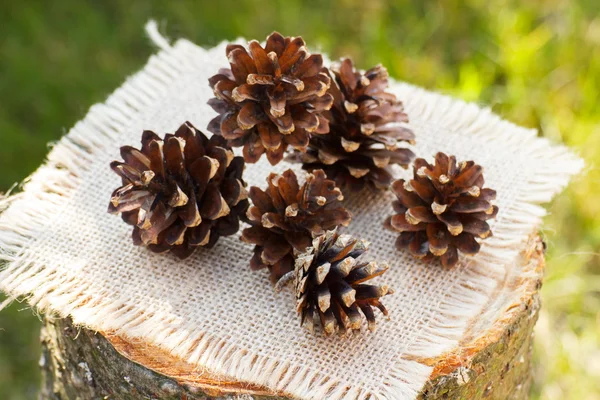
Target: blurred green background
[{"x": 536, "y": 63}]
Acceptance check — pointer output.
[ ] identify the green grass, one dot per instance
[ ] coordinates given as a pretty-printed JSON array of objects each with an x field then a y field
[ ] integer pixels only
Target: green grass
[{"x": 536, "y": 63}]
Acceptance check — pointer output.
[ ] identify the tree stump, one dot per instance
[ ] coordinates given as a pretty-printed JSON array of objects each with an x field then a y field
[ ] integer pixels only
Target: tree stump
[{"x": 492, "y": 361}]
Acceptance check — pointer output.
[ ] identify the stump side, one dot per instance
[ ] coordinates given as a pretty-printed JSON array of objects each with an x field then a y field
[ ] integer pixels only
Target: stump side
[
  {"x": 81, "y": 364},
  {"x": 492, "y": 361}
]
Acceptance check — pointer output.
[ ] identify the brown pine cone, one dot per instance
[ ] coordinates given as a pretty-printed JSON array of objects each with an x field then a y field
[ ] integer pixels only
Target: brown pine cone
[
  {"x": 285, "y": 218},
  {"x": 364, "y": 133},
  {"x": 442, "y": 209},
  {"x": 180, "y": 192},
  {"x": 329, "y": 284},
  {"x": 271, "y": 98}
]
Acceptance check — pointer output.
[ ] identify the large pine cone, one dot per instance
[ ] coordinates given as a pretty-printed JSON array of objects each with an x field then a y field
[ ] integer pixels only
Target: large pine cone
[
  {"x": 364, "y": 133},
  {"x": 330, "y": 288},
  {"x": 442, "y": 209},
  {"x": 285, "y": 218},
  {"x": 270, "y": 98},
  {"x": 180, "y": 192}
]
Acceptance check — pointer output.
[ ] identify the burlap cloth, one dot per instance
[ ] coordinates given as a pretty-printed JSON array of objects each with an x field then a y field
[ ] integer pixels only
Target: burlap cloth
[{"x": 63, "y": 251}]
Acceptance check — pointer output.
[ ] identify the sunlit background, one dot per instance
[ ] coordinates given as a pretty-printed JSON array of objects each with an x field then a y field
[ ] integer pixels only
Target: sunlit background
[{"x": 536, "y": 63}]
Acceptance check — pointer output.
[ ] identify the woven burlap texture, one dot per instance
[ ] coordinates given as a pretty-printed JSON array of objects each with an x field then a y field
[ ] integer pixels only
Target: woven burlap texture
[{"x": 63, "y": 251}]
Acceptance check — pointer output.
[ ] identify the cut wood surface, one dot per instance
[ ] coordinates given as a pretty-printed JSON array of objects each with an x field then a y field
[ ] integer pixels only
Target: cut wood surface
[{"x": 492, "y": 361}]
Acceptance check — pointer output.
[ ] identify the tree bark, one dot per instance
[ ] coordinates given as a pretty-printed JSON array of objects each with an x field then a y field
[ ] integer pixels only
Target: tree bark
[
  {"x": 493, "y": 361},
  {"x": 79, "y": 364}
]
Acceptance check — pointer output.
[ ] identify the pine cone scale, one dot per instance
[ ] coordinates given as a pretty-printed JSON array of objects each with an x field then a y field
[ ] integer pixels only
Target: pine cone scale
[
  {"x": 476, "y": 226},
  {"x": 242, "y": 64},
  {"x": 277, "y": 103},
  {"x": 468, "y": 205},
  {"x": 438, "y": 238},
  {"x": 310, "y": 67},
  {"x": 250, "y": 115},
  {"x": 419, "y": 247},
  {"x": 233, "y": 191},
  {"x": 273, "y": 220},
  {"x": 424, "y": 191},
  {"x": 274, "y": 249},
  {"x": 415, "y": 215},
  {"x": 292, "y": 54},
  {"x": 264, "y": 65},
  {"x": 175, "y": 233},
  {"x": 364, "y": 273},
  {"x": 275, "y": 43},
  {"x": 253, "y": 148},
  {"x": 135, "y": 158},
  {"x": 244, "y": 92},
  {"x": 214, "y": 206},
  {"x": 450, "y": 257},
  {"x": 173, "y": 156}
]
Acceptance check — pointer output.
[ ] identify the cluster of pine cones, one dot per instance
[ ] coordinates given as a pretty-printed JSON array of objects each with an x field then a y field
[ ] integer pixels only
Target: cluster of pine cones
[{"x": 185, "y": 190}]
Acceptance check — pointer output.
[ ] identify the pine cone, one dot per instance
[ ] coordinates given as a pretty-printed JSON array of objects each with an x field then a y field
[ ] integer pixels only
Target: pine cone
[
  {"x": 364, "y": 131},
  {"x": 285, "y": 218},
  {"x": 270, "y": 98},
  {"x": 442, "y": 210},
  {"x": 329, "y": 284},
  {"x": 181, "y": 192}
]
